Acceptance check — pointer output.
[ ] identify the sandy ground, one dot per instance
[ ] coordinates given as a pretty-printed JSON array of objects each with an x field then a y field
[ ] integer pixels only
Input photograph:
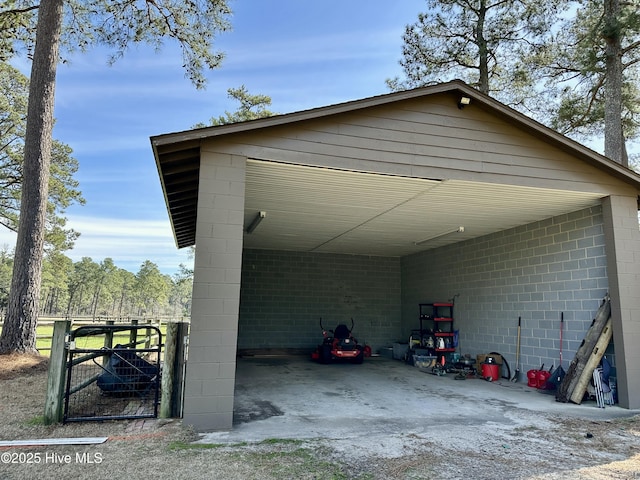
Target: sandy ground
[{"x": 539, "y": 447}]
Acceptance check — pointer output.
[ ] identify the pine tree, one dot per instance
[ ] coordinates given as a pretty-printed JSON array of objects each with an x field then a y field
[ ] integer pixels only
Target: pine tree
[{"x": 192, "y": 24}]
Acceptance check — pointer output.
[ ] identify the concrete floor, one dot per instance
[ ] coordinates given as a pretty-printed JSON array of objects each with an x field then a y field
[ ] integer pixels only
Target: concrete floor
[{"x": 295, "y": 398}]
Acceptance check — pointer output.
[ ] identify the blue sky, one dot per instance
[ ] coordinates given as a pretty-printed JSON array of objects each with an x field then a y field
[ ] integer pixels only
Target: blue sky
[{"x": 303, "y": 54}]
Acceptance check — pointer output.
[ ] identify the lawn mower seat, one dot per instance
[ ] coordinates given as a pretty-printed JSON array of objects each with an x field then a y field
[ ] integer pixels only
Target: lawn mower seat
[{"x": 341, "y": 332}]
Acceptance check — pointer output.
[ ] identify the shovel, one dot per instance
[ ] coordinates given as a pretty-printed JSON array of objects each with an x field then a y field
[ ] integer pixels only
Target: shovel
[{"x": 516, "y": 374}]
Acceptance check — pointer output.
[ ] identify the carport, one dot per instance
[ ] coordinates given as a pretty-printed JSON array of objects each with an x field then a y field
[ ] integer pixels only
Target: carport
[{"x": 354, "y": 211}]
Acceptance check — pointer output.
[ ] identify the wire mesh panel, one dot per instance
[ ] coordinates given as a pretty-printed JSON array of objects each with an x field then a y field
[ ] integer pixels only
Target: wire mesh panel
[{"x": 119, "y": 382}]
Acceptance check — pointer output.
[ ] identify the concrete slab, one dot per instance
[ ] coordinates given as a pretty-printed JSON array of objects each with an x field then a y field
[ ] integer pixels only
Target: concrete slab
[{"x": 295, "y": 398}]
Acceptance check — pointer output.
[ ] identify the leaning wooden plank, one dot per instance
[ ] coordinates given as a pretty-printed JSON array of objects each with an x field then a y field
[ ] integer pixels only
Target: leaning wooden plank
[
  {"x": 576, "y": 367},
  {"x": 598, "y": 352},
  {"x": 54, "y": 441}
]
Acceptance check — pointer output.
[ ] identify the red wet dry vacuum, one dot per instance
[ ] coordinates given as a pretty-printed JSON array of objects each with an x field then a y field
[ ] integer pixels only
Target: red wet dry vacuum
[{"x": 490, "y": 369}]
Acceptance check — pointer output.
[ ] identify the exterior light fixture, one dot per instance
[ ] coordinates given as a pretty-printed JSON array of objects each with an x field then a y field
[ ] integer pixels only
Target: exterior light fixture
[
  {"x": 256, "y": 221},
  {"x": 440, "y": 235},
  {"x": 463, "y": 102}
]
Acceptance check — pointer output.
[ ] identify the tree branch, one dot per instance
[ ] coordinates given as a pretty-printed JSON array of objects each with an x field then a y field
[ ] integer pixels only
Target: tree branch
[
  {"x": 630, "y": 47},
  {"x": 19, "y": 11}
]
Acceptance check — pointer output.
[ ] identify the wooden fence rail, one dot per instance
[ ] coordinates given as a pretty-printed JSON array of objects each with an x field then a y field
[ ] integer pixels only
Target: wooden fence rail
[{"x": 78, "y": 321}]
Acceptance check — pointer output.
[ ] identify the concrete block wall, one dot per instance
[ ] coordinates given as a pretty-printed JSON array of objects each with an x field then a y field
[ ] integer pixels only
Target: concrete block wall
[
  {"x": 284, "y": 294},
  {"x": 534, "y": 271}
]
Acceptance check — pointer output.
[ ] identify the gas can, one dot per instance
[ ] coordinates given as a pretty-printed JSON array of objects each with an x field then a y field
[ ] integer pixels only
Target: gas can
[{"x": 542, "y": 378}]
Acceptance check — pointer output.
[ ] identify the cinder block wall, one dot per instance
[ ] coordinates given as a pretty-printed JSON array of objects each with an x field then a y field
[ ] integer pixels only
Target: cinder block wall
[
  {"x": 284, "y": 294},
  {"x": 534, "y": 271}
]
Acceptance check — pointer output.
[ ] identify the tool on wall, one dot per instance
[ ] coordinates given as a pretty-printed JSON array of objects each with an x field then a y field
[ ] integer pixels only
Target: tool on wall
[
  {"x": 516, "y": 374},
  {"x": 561, "y": 329}
]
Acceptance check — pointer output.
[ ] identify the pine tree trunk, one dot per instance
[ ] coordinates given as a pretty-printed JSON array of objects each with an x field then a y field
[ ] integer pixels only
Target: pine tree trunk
[
  {"x": 614, "y": 143},
  {"x": 19, "y": 331},
  {"x": 96, "y": 300},
  {"x": 483, "y": 50}
]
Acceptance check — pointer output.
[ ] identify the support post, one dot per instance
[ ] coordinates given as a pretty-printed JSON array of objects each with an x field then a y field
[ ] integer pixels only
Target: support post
[
  {"x": 172, "y": 371},
  {"x": 182, "y": 343},
  {"x": 108, "y": 342},
  {"x": 133, "y": 334},
  {"x": 53, "y": 411},
  {"x": 108, "y": 336},
  {"x": 147, "y": 343}
]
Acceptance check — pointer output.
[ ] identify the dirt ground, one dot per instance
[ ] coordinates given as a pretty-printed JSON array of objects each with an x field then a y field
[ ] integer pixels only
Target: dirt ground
[{"x": 547, "y": 448}]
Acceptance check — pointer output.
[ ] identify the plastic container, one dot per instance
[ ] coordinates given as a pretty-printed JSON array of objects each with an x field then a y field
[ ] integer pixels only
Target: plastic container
[
  {"x": 541, "y": 378},
  {"x": 424, "y": 362},
  {"x": 400, "y": 350},
  {"x": 386, "y": 352}
]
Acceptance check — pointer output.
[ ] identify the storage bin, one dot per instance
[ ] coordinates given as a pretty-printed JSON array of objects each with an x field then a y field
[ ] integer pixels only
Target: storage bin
[{"x": 400, "y": 350}]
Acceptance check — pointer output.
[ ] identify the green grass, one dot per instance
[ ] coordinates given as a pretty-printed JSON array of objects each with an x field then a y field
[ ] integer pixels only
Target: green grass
[
  {"x": 35, "y": 421},
  {"x": 281, "y": 441}
]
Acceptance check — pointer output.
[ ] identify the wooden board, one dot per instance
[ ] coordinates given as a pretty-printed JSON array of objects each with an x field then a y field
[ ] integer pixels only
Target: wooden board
[
  {"x": 592, "y": 364},
  {"x": 54, "y": 441},
  {"x": 585, "y": 351}
]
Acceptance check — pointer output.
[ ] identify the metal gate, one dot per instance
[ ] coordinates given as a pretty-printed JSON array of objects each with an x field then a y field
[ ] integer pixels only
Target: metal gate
[{"x": 107, "y": 382}]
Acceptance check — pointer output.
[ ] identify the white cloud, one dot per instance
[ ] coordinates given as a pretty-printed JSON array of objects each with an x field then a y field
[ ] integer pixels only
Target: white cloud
[
  {"x": 128, "y": 242},
  {"x": 118, "y": 227}
]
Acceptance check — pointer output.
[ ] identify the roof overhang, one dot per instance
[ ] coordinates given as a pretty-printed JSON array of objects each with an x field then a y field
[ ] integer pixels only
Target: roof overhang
[{"x": 338, "y": 211}]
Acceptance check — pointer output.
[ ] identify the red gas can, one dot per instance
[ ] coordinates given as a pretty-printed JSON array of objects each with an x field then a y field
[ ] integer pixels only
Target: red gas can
[
  {"x": 542, "y": 378},
  {"x": 532, "y": 378}
]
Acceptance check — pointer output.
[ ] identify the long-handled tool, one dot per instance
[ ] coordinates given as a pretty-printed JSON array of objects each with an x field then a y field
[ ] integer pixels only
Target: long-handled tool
[
  {"x": 558, "y": 374},
  {"x": 516, "y": 374},
  {"x": 561, "y": 329}
]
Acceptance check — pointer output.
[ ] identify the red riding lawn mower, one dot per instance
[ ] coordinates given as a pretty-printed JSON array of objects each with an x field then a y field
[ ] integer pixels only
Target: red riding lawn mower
[{"x": 339, "y": 344}]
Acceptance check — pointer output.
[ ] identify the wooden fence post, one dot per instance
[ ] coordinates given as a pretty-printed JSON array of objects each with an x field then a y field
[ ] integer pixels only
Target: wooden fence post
[
  {"x": 181, "y": 362},
  {"x": 133, "y": 334},
  {"x": 172, "y": 370},
  {"x": 108, "y": 336},
  {"x": 108, "y": 342},
  {"x": 168, "y": 369},
  {"x": 53, "y": 411},
  {"x": 147, "y": 344}
]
